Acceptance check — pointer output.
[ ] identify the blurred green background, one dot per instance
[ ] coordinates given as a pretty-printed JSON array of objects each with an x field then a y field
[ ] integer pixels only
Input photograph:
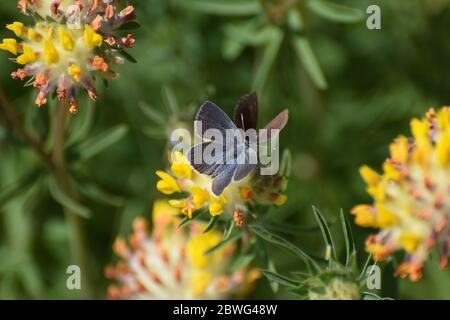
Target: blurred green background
[{"x": 377, "y": 81}]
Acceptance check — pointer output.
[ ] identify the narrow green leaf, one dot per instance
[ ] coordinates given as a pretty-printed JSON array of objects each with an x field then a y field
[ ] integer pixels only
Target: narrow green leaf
[
  {"x": 101, "y": 142},
  {"x": 283, "y": 280},
  {"x": 305, "y": 52},
  {"x": 155, "y": 133},
  {"x": 232, "y": 238},
  {"x": 229, "y": 230},
  {"x": 349, "y": 241},
  {"x": 65, "y": 201},
  {"x": 211, "y": 224},
  {"x": 152, "y": 114},
  {"x": 127, "y": 56},
  {"x": 270, "y": 53},
  {"x": 16, "y": 188},
  {"x": 366, "y": 265},
  {"x": 96, "y": 193},
  {"x": 325, "y": 232},
  {"x": 286, "y": 163},
  {"x": 335, "y": 12},
  {"x": 170, "y": 100},
  {"x": 242, "y": 261},
  {"x": 279, "y": 241},
  {"x": 221, "y": 7}
]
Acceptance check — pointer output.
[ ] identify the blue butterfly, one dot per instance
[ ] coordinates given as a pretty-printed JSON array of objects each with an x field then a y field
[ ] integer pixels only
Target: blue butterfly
[{"x": 240, "y": 150}]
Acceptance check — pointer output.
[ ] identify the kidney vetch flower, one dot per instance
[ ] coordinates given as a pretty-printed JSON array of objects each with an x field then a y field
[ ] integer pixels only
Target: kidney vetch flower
[
  {"x": 70, "y": 43},
  {"x": 171, "y": 263},
  {"x": 411, "y": 204}
]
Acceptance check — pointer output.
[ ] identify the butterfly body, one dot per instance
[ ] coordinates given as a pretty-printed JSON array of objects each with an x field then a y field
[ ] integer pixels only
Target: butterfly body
[{"x": 233, "y": 156}]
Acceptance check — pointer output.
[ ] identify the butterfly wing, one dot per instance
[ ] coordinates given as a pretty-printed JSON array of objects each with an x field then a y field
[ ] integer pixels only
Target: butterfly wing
[
  {"x": 210, "y": 116},
  {"x": 278, "y": 123},
  {"x": 220, "y": 182},
  {"x": 245, "y": 167},
  {"x": 246, "y": 112},
  {"x": 196, "y": 158}
]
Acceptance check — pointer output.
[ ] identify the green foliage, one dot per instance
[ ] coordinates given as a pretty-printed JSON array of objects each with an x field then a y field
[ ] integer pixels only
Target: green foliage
[{"x": 350, "y": 91}]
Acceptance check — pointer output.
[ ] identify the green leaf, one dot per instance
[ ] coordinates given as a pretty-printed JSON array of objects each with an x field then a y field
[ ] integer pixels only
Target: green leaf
[
  {"x": 170, "y": 100},
  {"x": 127, "y": 56},
  {"x": 101, "y": 142},
  {"x": 155, "y": 133},
  {"x": 286, "y": 163},
  {"x": 15, "y": 189},
  {"x": 278, "y": 278},
  {"x": 305, "y": 52},
  {"x": 279, "y": 241},
  {"x": 325, "y": 232},
  {"x": 335, "y": 12},
  {"x": 229, "y": 229},
  {"x": 349, "y": 241},
  {"x": 242, "y": 261},
  {"x": 152, "y": 114},
  {"x": 221, "y": 7},
  {"x": 362, "y": 275},
  {"x": 270, "y": 53},
  {"x": 211, "y": 224},
  {"x": 65, "y": 201},
  {"x": 96, "y": 193},
  {"x": 232, "y": 238}
]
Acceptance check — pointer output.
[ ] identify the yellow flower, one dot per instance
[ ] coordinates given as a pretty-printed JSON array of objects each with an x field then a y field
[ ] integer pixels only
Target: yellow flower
[
  {"x": 200, "y": 196},
  {"x": 181, "y": 167},
  {"x": 16, "y": 27},
  {"x": 28, "y": 55},
  {"x": 167, "y": 184},
  {"x": 197, "y": 246},
  {"x": 410, "y": 204},
  {"x": 9, "y": 45},
  {"x": 216, "y": 206},
  {"x": 65, "y": 51},
  {"x": 92, "y": 38}
]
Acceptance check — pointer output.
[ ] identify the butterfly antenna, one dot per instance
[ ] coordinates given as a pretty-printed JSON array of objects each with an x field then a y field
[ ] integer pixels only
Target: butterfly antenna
[{"x": 243, "y": 124}]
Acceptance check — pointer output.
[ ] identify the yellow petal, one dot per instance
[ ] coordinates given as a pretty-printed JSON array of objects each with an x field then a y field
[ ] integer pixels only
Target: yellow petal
[
  {"x": 28, "y": 55},
  {"x": 410, "y": 241},
  {"x": 9, "y": 45},
  {"x": 91, "y": 38},
  {"x": 370, "y": 176},
  {"x": 167, "y": 184},
  {"x": 74, "y": 71},
  {"x": 385, "y": 217},
  {"x": 51, "y": 55},
  {"x": 16, "y": 27},
  {"x": 65, "y": 39}
]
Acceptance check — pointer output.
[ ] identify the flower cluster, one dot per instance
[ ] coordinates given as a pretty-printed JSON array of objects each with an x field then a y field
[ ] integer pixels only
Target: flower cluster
[
  {"x": 172, "y": 264},
  {"x": 71, "y": 41},
  {"x": 410, "y": 198},
  {"x": 265, "y": 190}
]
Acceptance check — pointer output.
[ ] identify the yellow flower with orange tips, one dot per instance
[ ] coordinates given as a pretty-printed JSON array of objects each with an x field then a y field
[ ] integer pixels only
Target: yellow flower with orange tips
[
  {"x": 410, "y": 197},
  {"x": 70, "y": 43}
]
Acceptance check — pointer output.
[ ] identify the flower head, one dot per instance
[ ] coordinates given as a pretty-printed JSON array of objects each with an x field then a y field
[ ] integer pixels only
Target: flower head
[
  {"x": 65, "y": 51},
  {"x": 182, "y": 179},
  {"x": 171, "y": 263},
  {"x": 410, "y": 196}
]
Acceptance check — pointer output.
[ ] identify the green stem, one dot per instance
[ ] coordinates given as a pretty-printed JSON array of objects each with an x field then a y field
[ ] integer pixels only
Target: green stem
[{"x": 77, "y": 236}]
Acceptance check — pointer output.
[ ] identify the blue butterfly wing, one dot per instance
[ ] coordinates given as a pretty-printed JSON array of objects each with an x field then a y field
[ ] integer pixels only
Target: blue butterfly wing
[
  {"x": 210, "y": 116},
  {"x": 220, "y": 182},
  {"x": 244, "y": 169},
  {"x": 195, "y": 157}
]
